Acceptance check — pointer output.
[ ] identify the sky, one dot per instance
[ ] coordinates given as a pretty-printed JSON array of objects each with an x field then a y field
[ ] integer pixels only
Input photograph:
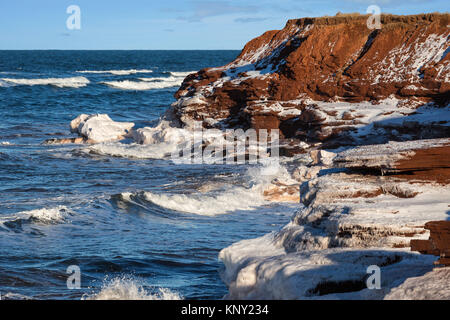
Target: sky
[{"x": 169, "y": 24}]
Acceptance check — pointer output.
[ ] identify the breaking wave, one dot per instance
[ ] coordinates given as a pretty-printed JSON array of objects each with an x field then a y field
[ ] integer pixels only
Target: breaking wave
[
  {"x": 174, "y": 80},
  {"x": 142, "y": 85},
  {"x": 128, "y": 288},
  {"x": 117, "y": 72},
  {"x": 73, "y": 82},
  {"x": 234, "y": 199},
  {"x": 162, "y": 142},
  {"x": 165, "y": 79},
  {"x": 215, "y": 201},
  {"x": 15, "y": 296},
  {"x": 56, "y": 215},
  {"x": 183, "y": 74}
]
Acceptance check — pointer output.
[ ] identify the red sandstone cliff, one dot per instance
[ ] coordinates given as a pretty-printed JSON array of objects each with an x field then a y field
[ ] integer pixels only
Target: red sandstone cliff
[
  {"x": 328, "y": 82},
  {"x": 278, "y": 76}
]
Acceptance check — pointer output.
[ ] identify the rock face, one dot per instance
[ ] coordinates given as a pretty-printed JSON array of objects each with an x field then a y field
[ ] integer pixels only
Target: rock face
[
  {"x": 417, "y": 160},
  {"x": 326, "y": 84},
  {"x": 278, "y": 78},
  {"x": 438, "y": 244}
]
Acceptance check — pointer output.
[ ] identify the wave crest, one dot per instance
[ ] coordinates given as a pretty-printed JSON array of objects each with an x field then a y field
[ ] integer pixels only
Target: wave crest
[
  {"x": 141, "y": 85},
  {"x": 217, "y": 199},
  {"x": 128, "y": 288},
  {"x": 117, "y": 72},
  {"x": 183, "y": 74},
  {"x": 73, "y": 82},
  {"x": 56, "y": 215}
]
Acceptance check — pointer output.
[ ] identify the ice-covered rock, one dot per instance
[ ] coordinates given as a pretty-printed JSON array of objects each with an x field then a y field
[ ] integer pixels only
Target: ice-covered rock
[
  {"x": 100, "y": 128},
  {"x": 322, "y": 157},
  {"x": 160, "y": 134},
  {"x": 75, "y": 123},
  {"x": 434, "y": 285},
  {"x": 384, "y": 155},
  {"x": 348, "y": 220},
  {"x": 258, "y": 272}
]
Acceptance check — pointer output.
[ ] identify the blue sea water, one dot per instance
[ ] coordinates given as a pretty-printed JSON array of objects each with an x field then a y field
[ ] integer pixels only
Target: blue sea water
[{"x": 103, "y": 235}]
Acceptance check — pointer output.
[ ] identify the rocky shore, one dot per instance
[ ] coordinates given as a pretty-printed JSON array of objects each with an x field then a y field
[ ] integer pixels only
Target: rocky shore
[
  {"x": 371, "y": 108},
  {"x": 370, "y": 111}
]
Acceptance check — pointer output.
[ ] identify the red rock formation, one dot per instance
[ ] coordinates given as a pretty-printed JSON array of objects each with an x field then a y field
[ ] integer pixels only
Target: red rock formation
[
  {"x": 432, "y": 164},
  {"x": 323, "y": 59},
  {"x": 438, "y": 244}
]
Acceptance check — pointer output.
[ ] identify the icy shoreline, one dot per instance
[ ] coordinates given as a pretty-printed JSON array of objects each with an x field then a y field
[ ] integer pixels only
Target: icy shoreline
[
  {"x": 351, "y": 215},
  {"x": 349, "y": 220}
]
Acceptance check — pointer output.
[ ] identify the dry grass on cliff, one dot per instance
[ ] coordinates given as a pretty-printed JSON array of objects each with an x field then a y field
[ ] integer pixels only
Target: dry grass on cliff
[
  {"x": 352, "y": 14},
  {"x": 386, "y": 18}
]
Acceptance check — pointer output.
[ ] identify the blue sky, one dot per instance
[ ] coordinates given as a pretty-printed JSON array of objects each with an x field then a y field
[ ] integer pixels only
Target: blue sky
[{"x": 169, "y": 24}]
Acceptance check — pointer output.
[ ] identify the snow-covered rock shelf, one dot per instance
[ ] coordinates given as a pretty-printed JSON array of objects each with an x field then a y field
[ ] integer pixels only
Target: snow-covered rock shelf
[{"x": 348, "y": 220}]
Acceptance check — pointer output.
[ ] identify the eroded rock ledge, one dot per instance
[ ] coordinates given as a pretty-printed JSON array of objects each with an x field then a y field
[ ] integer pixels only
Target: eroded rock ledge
[{"x": 353, "y": 215}]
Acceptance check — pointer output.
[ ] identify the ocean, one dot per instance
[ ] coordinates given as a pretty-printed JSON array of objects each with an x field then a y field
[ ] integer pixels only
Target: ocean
[{"x": 136, "y": 224}]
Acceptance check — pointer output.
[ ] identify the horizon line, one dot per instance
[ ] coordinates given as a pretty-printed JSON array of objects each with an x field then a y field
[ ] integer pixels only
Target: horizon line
[{"x": 121, "y": 49}]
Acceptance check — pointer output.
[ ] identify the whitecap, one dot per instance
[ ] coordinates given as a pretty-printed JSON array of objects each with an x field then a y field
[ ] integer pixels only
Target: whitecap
[
  {"x": 55, "y": 215},
  {"x": 117, "y": 72},
  {"x": 168, "y": 79},
  {"x": 210, "y": 204},
  {"x": 73, "y": 82},
  {"x": 183, "y": 74},
  {"x": 14, "y": 296},
  {"x": 142, "y": 85}
]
